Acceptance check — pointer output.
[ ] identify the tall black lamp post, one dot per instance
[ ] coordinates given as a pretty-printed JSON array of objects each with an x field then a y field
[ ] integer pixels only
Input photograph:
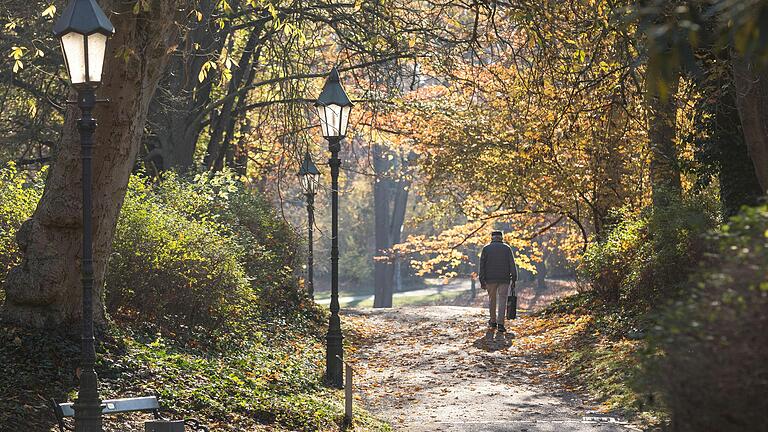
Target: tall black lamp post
[
  {"x": 310, "y": 178},
  {"x": 333, "y": 107},
  {"x": 83, "y": 30}
]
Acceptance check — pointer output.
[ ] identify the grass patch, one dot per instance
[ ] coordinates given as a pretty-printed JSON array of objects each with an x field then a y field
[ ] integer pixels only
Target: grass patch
[
  {"x": 400, "y": 299},
  {"x": 597, "y": 351}
]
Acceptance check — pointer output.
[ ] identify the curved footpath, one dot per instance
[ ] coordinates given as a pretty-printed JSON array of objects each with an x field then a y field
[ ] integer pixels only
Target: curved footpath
[{"x": 436, "y": 368}]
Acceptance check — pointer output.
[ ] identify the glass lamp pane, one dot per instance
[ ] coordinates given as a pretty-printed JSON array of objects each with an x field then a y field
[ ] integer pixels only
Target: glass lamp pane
[
  {"x": 323, "y": 123},
  {"x": 304, "y": 180},
  {"x": 345, "y": 111},
  {"x": 314, "y": 182},
  {"x": 97, "y": 46},
  {"x": 333, "y": 119},
  {"x": 73, "y": 46}
]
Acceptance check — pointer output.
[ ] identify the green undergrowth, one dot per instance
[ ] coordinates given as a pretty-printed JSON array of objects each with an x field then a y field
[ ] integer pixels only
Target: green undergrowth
[
  {"x": 273, "y": 378},
  {"x": 205, "y": 310}
]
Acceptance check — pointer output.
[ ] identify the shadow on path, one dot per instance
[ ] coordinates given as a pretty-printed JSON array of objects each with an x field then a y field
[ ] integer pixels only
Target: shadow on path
[{"x": 494, "y": 341}]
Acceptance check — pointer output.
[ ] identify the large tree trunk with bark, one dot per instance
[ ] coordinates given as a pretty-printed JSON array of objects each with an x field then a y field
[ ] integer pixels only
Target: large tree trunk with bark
[
  {"x": 665, "y": 170},
  {"x": 609, "y": 168},
  {"x": 739, "y": 185},
  {"x": 752, "y": 103},
  {"x": 45, "y": 290}
]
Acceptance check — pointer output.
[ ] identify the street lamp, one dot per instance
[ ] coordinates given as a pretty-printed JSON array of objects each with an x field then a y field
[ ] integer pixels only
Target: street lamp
[
  {"x": 310, "y": 178},
  {"x": 83, "y": 30},
  {"x": 333, "y": 107}
]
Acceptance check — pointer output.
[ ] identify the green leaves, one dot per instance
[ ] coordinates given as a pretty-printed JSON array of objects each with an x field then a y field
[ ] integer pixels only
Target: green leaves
[
  {"x": 201, "y": 253},
  {"x": 18, "y": 198}
]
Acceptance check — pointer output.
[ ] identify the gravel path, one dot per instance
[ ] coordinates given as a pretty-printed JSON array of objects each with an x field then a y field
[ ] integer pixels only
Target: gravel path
[{"x": 436, "y": 368}]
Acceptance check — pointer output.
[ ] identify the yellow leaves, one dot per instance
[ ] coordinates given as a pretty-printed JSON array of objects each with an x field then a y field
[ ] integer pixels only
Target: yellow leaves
[
  {"x": 125, "y": 53},
  {"x": 16, "y": 54},
  {"x": 203, "y": 74},
  {"x": 141, "y": 6},
  {"x": 580, "y": 55},
  {"x": 225, "y": 6},
  {"x": 50, "y": 11}
]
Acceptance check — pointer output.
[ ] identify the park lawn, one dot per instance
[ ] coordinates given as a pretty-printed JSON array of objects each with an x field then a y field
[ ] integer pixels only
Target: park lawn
[
  {"x": 265, "y": 384},
  {"x": 405, "y": 300}
]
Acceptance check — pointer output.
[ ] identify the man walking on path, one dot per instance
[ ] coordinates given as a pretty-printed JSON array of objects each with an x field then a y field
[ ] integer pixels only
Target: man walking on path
[{"x": 497, "y": 272}]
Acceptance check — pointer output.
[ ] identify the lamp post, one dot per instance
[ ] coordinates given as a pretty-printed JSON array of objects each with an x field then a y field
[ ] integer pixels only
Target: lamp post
[
  {"x": 83, "y": 30},
  {"x": 310, "y": 178},
  {"x": 333, "y": 107}
]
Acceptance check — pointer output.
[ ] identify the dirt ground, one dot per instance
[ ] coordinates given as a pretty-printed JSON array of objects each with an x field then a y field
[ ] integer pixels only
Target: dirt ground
[{"x": 437, "y": 368}]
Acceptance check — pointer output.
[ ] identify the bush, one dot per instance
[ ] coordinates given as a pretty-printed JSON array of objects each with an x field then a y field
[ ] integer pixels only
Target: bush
[
  {"x": 19, "y": 195},
  {"x": 170, "y": 270},
  {"x": 187, "y": 253},
  {"x": 199, "y": 254},
  {"x": 649, "y": 256},
  {"x": 710, "y": 351}
]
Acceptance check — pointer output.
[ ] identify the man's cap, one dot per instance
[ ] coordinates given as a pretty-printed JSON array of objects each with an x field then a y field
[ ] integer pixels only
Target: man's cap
[{"x": 497, "y": 233}]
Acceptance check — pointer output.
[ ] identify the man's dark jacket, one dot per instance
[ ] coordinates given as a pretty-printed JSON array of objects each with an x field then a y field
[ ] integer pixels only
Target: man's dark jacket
[{"x": 497, "y": 263}]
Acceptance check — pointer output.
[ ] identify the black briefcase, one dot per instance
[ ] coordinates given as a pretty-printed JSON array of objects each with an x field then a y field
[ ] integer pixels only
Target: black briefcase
[{"x": 512, "y": 304}]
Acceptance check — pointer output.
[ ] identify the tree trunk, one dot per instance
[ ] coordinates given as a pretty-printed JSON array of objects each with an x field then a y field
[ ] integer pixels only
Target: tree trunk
[
  {"x": 752, "y": 102},
  {"x": 739, "y": 185},
  {"x": 381, "y": 203},
  {"x": 45, "y": 289},
  {"x": 390, "y": 201},
  {"x": 182, "y": 95},
  {"x": 610, "y": 169},
  {"x": 216, "y": 150},
  {"x": 541, "y": 276},
  {"x": 400, "y": 199},
  {"x": 665, "y": 171}
]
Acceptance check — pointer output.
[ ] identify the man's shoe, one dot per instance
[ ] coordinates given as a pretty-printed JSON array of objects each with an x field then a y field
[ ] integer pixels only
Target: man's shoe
[
  {"x": 501, "y": 328},
  {"x": 492, "y": 325}
]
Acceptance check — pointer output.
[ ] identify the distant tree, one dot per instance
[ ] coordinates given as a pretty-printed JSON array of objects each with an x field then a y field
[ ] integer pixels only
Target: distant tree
[{"x": 390, "y": 195}]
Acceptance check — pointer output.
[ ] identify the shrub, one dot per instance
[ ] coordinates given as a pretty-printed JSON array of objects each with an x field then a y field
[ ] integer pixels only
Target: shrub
[
  {"x": 269, "y": 244},
  {"x": 19, "y": 195},
  {"x": 169, "y": 269},
  {"x": 710, "y": 350},
  {"x": 649, "y": 256},
  {"x": 200, "y": 253},
  {"x": 608, "y": 264}
]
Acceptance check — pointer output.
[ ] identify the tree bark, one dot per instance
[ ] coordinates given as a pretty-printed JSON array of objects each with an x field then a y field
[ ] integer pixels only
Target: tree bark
[
  {"x": 45, "y": 289},
  {"x": 665, "y": 171},
  {"x": 610, "y": 170},
  {"x": 181, "y": 96},
  {"x": 382, "y": 203},
  {"x": 752, "y": 103},
  {"x": 390, "y": 201},
  {"x": 739, "y": 185},
  {"x": 220, "y": 133}
]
